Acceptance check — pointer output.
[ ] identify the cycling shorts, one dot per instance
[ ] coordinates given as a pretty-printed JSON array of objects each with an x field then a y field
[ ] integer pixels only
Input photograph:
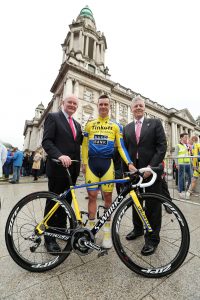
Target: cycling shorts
[
  {"x": 100, "y": 169},
  {"x": 196, "y": 173}
]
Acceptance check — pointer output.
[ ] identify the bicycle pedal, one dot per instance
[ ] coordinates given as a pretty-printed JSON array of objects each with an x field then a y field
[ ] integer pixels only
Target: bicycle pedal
[{"x": 103, "y": 252}]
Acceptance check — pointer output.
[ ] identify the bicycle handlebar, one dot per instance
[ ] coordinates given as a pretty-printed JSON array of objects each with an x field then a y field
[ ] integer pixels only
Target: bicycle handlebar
[
  {"x": 141, "y": 178},
  {"x": 59, "y": 162}
]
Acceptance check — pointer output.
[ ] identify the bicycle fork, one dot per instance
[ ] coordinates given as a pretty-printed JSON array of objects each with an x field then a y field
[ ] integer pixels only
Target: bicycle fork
[{"x": 140, "y": 211}]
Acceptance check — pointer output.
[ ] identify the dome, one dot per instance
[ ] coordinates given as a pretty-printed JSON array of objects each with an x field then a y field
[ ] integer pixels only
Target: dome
[
  {"x": 40, "y": 106},
  {"x": 86, "y": 12}
]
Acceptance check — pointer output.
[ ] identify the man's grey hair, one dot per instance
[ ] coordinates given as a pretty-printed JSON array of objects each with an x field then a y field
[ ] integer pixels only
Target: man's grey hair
[
  {"x": 137, "y": 98},
  {"x": 70, "y": 96}
]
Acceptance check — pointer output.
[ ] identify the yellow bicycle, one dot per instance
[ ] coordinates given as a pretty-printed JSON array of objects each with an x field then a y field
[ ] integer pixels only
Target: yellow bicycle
[{"x": 27, "y": 227}]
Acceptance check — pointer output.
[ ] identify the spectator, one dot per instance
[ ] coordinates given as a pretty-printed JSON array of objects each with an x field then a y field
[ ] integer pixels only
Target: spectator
[
  {"x": 196, "y": 167},
  {"x": 7, "y": 168},
  {"x": 3, "y": 156},
  {"x": 17, "y": 164},
  {"x": 183, "y": 162},
  {"x": 36, "y": 165}
]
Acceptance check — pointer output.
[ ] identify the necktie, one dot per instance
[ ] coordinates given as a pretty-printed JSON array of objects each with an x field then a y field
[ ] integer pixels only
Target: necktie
[
  {"x": 138, "y": 130},
  {"x": 72, "y": 127}
]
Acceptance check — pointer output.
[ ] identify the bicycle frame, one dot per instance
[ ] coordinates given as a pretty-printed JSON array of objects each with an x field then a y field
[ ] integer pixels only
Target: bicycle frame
[{"x": 106, "y": 214}]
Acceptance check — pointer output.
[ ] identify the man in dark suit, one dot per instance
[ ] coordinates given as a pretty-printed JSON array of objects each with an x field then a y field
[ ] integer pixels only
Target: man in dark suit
[
  {"x": 61, "y": 140},
  {"x": 146, "y": 143}
]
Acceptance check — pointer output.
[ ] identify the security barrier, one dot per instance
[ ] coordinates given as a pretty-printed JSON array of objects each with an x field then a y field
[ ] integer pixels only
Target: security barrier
[{"x": 178, "y": 180}]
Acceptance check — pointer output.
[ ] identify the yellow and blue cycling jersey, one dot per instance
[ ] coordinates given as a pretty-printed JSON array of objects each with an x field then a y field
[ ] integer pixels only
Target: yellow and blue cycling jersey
[
  {"x": 100, "y": 136},
  {"x": 196, "y": 160}
]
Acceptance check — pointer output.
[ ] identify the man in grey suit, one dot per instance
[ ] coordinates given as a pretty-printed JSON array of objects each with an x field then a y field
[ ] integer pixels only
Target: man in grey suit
[
  {"x": 146, "y": 148},
  {"x": 61, "y": 140}
]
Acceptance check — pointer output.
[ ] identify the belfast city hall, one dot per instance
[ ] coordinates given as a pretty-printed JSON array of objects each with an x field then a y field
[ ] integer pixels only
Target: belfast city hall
[{"x": 84, "y": 74}]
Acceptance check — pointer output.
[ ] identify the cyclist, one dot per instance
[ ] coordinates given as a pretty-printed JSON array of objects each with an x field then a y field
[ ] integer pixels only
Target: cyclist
[
  {"x": 100, "y": 136},
  {"x": 196, "y": 166}
]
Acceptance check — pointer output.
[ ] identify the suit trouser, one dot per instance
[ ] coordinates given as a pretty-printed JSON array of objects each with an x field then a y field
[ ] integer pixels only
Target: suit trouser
[
  {"x": 58, "y": 185},
  {"x": 165, "y": 190},
  {"x": 153, "y": 213}
]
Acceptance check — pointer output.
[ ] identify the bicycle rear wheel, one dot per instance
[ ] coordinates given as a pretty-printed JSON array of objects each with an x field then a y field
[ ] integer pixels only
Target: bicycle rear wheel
[
  {"x": 174, "y": 239},
  {"x": 28, "y": 248}
]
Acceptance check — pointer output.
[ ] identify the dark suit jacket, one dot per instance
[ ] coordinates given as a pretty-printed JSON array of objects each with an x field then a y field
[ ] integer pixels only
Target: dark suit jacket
[
  {"x": 152, "y": 145},
  {"x": 58, "y": 140}
]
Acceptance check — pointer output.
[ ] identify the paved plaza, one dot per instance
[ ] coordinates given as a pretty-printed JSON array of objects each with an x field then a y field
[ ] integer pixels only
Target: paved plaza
[{"x": 90, "y": 277}]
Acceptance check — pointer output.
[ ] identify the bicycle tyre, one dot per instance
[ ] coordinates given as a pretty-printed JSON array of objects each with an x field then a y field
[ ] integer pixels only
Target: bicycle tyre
[
  {"x": 174, "y": 239},
  {"x": 23, "y": 218}
]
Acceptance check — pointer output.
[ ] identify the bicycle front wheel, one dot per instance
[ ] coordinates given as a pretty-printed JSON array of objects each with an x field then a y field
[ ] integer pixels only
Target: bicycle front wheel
[
  {"x": 25, "y": 246},
  {"x": 174, "y": 239}
]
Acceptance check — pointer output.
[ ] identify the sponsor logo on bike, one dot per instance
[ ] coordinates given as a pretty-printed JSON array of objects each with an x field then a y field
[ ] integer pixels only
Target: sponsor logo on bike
[
  {"x": 120, "y": 218},
  {"x": 66, "y": 210},
  {"x": 157, "y": 271},
  {"x": 175, "y": 212},
  {"x": 59, "y": 236},
  {"x": 47, "y": 264},
  {"x": 109, "y": 212},
  {"x": 12, "y": 221}
]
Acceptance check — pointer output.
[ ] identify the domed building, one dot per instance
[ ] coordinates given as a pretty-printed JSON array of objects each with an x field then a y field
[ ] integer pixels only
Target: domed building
[{"x": 83, "y": 73}]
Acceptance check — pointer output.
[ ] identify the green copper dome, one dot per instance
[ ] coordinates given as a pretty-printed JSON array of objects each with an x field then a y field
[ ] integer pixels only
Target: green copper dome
[{"x": 86, "y": 12}]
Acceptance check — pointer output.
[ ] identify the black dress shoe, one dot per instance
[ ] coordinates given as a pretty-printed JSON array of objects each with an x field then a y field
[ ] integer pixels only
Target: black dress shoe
[
  {"x": 148, "y": 249},
  {"x": 133, "y": 235},
  {"x": 52, "y": 247}
]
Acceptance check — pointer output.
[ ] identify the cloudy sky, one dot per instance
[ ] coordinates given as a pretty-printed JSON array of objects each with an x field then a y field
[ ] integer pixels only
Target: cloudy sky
[{"x": 153, "y": 48}]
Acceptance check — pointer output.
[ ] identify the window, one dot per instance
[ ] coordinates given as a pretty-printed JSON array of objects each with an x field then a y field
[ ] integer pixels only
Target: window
[
  {"x": 90, "y": 48},
  {"x": 91, "y": 68}
]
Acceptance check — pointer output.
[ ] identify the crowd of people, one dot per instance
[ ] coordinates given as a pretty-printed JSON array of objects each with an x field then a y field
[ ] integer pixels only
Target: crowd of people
[
  {"x": 15, "y": 163},
  {"x": 187, "y": 165}
]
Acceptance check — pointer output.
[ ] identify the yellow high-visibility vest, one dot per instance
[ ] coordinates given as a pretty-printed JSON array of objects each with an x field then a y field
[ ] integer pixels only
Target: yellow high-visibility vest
[{"x": 183, "y": 151}]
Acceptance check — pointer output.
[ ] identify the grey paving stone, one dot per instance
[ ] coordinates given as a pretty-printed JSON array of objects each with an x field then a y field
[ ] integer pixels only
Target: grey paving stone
[
  {"x": 195, "y": 242},
  {"x": 49, "y": 289},
  {"x": 106, "y": 278},
  {"x": 182, "y": 285},
  {"x": 89, "y": 277},
  {"x": 14, "y": 279}
]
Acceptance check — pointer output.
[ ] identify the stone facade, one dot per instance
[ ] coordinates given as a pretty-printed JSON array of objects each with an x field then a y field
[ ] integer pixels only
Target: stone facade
[{"x": 84, "y": 74}]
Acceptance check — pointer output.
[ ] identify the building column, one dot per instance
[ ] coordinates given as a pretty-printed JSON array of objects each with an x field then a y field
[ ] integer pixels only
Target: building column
[
  {"x": 97, "y": 53},
  {"x": 129, "y": 114},
  {"x": 76, "y": 89},
  {"x": 176, "y": 134},
  {"x": 117, "y": 111},
  {"x": 71, "y": 44},
  {"x": 102, "y": 53},
  {"x": 181, "y": 129},
  {"x": 64, "y": 54},
  {"x": 27, "y": 139},
  {"x": 56, "y": 103},
  {"x": 67, "y": 88},
  {"x": 81, "y": 41},
  {"x": 94, "y": 50},
  {"x": 87, "y": 45},
  {"x": 173, "y": 134}
]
